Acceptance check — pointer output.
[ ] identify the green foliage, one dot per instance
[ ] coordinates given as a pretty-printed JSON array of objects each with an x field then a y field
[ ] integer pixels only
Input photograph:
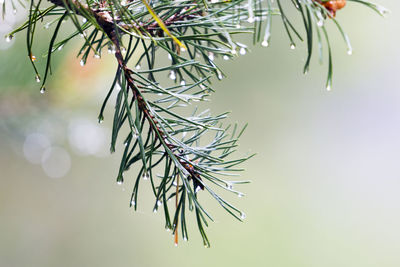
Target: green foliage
[{"x": 192, "y": 153}]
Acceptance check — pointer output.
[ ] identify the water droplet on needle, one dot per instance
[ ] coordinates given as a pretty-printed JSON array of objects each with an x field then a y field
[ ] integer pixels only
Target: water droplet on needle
[
  {"x": 172, "y": 75},
  {"x": 350, "y": 51},
  {"x": 211, "y": 56}
]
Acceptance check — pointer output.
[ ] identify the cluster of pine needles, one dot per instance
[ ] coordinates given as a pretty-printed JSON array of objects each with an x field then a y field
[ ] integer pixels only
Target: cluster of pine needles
[{"x": 181, "y": 155}]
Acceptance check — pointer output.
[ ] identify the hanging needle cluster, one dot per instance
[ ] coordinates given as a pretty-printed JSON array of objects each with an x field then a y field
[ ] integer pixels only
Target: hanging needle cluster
[{"x": 182, "y": 153}]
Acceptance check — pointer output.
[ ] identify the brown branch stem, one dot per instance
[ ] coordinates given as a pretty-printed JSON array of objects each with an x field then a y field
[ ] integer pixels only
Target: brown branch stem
[
  {"x": 111, "y": 28},
  {"x": 160, "y": 135}
]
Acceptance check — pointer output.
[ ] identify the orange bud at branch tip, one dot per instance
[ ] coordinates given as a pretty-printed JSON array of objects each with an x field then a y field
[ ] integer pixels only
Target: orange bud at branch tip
[{"x": 333, "y": 6}]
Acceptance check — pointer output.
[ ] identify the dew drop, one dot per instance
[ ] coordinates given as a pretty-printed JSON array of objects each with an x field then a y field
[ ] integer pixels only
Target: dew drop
[
  {"x": 265, "y": 43},
  {"x": 383, "y": 11},
  {"x": 159, "y": 203},
  {"x": 233, "y": 51},
  {"x": 320, "y": 23},
  {"x": 211, "y": 56},
  {"x": 251, "y": 19},
  {"x": 111, "y": 49},
  {"x": 82, "y": 62},
  {"x": 84, "y": 20},
  {"x": 172, "y": 75},
  {"x": 240, "y": 195},
  {"x": 14, "y": 11},
  {"x": 183, "y": 83},
  {"x": 350, "y": 51},
  {"x": 183, "y": 49},
  {"x": 169, "y": 57},
  {"x": 292, "y": 46},
  {"x": 133, "y": 203},
  {"x": 328, "y": 87},
  {"x": 97, "y": 55},
  {"x": 123, "y": 50},
  {"x": 225, "y": 57},
  {"x": 185, "y": 238},
  {"x": 33, "y": 58},
  {"x": 155, "y": 210},
  {"x": 242, "y": 51},
  {"x": 229, "y": 186},
  {"x": 146, "y": 176},
  {"x": 242, "y": 215},
  {"x": 138, "y": 67},
  {"x": 60, "y": 47},
  {"x": 42, "y": 90},
  {"x": 37, "y": 78},
  {"x": 219, "y": 75},
  {"x": 238, "y": 26},
  {"x": 198, "y": 188},
  {"x": 120, "y": 182}
]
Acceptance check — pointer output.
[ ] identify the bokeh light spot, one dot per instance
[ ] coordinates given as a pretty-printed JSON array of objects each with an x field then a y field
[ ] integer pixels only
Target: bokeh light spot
[
  {"x": 34, "y": 146},
  {"x": 56, "y": 162}
]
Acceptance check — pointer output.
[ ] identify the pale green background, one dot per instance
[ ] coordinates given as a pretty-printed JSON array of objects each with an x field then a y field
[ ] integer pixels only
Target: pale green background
[{"x": 325, "y": 181}]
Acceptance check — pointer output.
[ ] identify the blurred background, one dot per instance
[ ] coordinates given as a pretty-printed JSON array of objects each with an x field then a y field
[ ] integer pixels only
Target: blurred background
[{"x": 325, "y": 181}]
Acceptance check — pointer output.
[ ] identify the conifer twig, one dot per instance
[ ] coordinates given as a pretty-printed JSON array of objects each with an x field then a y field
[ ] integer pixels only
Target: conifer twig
[{"x": 193, "y": 153}]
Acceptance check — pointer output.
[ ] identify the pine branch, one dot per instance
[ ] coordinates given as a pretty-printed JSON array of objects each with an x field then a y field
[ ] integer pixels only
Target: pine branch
[{"x": 192, "y": 34}]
